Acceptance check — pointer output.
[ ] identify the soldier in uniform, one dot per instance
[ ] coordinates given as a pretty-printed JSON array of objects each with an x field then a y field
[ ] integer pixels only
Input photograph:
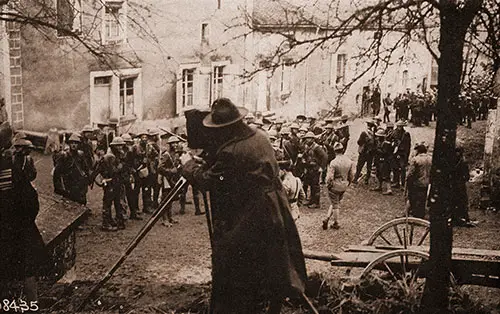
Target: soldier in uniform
[
  {"x": 86, "y": 146},
  {"x": 142, "y": 168},
  {"x": 402, "y": 145},
  {"x": 339, "y": 177},
  {"x": 382, "y": 161},
  {"x": 71, "y": 172},
  {"x": 417, "y": 181},
  {"x": 315, "y": 158},
  {"x": 169, "y": 172},
  {"x": 22, "y": 249},
  {"x": 153, "y": 154},
  {"x": 366, "y": 146},
  {"x": 113, "y": 170},
  {"x": 132, "y": 184}
]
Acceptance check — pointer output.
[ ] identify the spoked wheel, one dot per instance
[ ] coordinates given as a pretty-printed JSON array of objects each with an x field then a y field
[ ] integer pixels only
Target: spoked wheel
[
  {"x": 401, "y": 232},
  {"x": 405, "y": 267}
]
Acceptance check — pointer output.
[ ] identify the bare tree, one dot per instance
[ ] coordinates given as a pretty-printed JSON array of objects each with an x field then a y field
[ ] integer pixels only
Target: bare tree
[
  {"x": 79, "y": 22},
  {"x": 442, "y": 26}
]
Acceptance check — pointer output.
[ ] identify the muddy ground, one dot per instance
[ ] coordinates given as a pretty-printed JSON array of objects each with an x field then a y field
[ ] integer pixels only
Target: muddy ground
[{"x": 169, "y": 272}]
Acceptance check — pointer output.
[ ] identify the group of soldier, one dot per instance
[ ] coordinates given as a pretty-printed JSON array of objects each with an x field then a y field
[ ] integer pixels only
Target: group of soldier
[{"x": 124, "y": 166}]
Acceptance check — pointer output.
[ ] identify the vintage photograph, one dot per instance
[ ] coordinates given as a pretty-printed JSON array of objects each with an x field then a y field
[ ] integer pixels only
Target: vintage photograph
[{"x": 249, "y": 156}]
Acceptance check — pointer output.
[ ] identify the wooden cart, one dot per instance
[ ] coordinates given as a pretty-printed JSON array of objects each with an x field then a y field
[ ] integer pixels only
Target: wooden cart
[{"x": 399, "y": 250}]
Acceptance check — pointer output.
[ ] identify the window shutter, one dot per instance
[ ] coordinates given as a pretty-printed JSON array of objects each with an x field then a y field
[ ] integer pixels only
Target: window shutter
[
  {"x": 232, "y": 87},
  {"x": 202, "y": 87},
  {"x": 178, "y": 92}
]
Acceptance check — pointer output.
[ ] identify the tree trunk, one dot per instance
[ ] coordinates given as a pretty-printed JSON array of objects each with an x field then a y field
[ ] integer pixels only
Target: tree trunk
[{"x": 454, "y": 24}]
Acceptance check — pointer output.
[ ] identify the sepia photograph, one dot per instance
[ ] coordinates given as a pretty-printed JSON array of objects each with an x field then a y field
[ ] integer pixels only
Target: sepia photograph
[{"x": 249, "y": 156}]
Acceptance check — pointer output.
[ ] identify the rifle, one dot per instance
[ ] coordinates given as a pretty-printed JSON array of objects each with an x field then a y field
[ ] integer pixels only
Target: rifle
[
  {"x": 179, "y": 186},
  {"x": 173, "y": 134}
]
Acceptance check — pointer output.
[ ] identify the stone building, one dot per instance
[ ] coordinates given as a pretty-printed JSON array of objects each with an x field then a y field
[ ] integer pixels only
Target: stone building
[{"x": 167, "y": 57}]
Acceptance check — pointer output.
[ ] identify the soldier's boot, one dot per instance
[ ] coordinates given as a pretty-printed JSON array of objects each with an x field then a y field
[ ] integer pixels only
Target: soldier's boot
[{"x": 196, "y": 201}]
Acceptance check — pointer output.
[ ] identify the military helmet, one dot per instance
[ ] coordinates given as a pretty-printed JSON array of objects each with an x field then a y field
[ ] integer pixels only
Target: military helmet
[
  {"x": 173, "y": 139},
  {"x": 21, "y": 142},
  {"x": 117, "y": 140},
  {"x": 153, "y": 132},
  {"x": 285, "y": 131},
  {"x": 74, "y": 138},
  {"x": 303, "y": 129},
  {"x": 127, "y": 138},
  {"x": 141, "y": 133},
  {"x": 87, "y": 128},
  {"x": 380, "y": 132},
  {"x": 309, "y": 135},
  {"x": 294, "y": 126},
  {"x": 401, "y": 123},
  {"x": 258, "y": 122}
]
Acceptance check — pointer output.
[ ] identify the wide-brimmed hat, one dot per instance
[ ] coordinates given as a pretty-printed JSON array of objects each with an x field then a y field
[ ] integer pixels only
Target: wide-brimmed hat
[
  {"x": 75, "y": 138},
  {"x": 338, "y": 147},
  {"x": 380, "y": 132},
  {"x": 141, "y": 133},
  {"x": 117, "y": 140},
  {"x": 309, "y": 135},
  {"x": 224, "y": 113}
]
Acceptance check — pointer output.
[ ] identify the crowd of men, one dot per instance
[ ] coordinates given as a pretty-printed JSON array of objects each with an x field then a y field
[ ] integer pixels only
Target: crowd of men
[{"x": 148, "y": 163}]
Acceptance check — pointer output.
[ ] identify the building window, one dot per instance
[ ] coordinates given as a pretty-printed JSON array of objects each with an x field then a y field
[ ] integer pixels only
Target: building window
[
  {"x": 405, "y": 79},
  {"x": 217, "y": 81},
  {"x": 69, "y": 18},
  {"x": 204, "y": 33},
  {"x": 434, "y": 73},
  {"x": 127, "y": 96},
  {"x": 219, "y": 3},
  {"x": 114, "y": 28},
  {"x": 187, "y": 87},
  {"x": 102, "y": 80},
  {"x": 341, "y": 66}
]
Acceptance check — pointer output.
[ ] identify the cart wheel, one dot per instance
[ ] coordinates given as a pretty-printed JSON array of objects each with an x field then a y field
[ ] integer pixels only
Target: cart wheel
[
  {"x": 401, "y": 266},
  {"x": 401, "y": 231}
]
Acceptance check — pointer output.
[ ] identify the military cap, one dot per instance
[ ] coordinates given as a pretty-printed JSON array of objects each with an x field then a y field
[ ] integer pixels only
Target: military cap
[
  {"x": 309, "y": 135},
  {"x": 127, "y": 138},
  {"x": 117, "y": 140},
  {"x": 338, "y": 147},
  {"x": 87, "y": 128},
  {"x": 75, "y": 138}
]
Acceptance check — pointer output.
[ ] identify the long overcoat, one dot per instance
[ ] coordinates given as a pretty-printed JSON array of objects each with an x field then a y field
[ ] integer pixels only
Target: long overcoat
[{"x": 256, "y": 247}]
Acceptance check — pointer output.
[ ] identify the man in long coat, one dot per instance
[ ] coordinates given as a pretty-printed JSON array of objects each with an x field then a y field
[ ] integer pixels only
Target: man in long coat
[{"x": 257, "y": 254}]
